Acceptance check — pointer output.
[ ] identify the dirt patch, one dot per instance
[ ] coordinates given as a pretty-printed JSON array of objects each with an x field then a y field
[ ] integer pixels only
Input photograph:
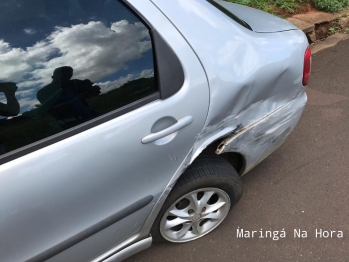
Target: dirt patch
[
  {"x": 299, "y": 9},
  {"x": 305, "y": 8},
  {"x": 322, "y": 31}
]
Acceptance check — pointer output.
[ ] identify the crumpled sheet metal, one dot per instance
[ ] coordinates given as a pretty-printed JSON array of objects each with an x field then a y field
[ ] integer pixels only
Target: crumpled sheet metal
[
  {"x": 258, "y": 140},
  {"x": 250, "y": 74}
]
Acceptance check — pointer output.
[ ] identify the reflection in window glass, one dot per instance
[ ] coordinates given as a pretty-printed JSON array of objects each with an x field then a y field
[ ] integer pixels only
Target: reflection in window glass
[{"x": 65, "y": 62}]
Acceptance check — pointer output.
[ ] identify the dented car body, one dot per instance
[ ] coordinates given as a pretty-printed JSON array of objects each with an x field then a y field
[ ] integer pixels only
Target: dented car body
[
  {"x": 89, "y": 189},
  {"x": 255, "y": 79}
]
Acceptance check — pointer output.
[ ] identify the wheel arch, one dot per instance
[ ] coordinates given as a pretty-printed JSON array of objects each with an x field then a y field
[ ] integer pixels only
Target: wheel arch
[{"x": 236, "y": 159}]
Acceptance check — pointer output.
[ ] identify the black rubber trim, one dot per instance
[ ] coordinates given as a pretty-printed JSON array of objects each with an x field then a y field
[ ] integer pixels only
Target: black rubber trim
[
  {"x": 231, "y": 15},
  {"x": 137, "y": 14},
  {"x": 78, "y": 129},
  {"x": 92, "y": 230},
  {"x": 170, "y": 71}
]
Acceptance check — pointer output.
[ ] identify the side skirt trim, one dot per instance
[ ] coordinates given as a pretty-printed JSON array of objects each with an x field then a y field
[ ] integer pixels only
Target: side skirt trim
[{"x": 128, "y": 251}]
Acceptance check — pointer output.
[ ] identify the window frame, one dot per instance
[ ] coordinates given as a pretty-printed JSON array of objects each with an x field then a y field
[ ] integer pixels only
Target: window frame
[{"x": 22, "y": 151}]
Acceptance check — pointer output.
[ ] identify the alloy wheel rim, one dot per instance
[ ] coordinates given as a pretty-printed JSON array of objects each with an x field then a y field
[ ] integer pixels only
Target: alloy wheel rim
[{"x": 195, "y": 215}]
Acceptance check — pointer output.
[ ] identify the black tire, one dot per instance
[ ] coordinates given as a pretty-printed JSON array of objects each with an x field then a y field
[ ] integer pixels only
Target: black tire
[{"x": 206, "y": 171}]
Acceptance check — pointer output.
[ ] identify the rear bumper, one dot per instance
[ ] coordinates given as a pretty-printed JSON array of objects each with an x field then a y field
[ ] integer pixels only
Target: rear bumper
[{"x": 258, "y": 140}]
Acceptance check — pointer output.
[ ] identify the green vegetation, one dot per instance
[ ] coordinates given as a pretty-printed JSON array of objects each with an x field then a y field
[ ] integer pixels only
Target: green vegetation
[
  {"x": 291, "y": 6},
  {"x": 332, "y": 30},
  {"x": 270, "y": 6},
  {"x": 331, "y": 5}
]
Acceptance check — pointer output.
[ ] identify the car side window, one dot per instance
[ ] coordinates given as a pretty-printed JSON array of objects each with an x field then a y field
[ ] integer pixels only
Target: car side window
[{"x": 67, "y": 62}]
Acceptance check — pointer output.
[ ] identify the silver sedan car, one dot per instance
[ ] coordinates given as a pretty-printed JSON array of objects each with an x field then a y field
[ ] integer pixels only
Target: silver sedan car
[{"x": 124, "y": 122}]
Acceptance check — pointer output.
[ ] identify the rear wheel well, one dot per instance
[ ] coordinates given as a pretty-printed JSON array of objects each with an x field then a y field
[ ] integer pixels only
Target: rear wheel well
[{"x": 235, "y": 159}]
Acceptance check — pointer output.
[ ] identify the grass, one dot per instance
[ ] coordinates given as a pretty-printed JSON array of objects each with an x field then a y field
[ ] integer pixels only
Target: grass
[
  {"x": 272, "y": 6},
  {"x": 287, "y": 8},
  {"x": 332, "y": 30},
  {"x": 331, "y": 5},
  {"x": 282, "y": 7}
]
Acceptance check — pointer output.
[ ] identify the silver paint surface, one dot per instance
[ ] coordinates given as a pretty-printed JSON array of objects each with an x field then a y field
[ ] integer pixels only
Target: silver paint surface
[
  {"x": 255, "y": 82},
  {"x": 131, "y": 250},
  {"x": 259, "y": 21},
  {"x": 259, "y": 140},
  {"x": 54, "y": 193},
  {"x": 241, "y": 86},
  {"x": 252, "y": 76}
]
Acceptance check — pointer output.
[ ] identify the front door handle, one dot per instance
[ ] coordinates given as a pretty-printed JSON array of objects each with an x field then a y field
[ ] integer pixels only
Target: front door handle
[{"x": 181, "y": 123}]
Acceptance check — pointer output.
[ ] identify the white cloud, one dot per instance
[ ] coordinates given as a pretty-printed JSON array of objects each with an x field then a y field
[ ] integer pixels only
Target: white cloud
[
  {"x": 147, "y": 73},
  {"x": 93, "y": 50},
  {"x": 3, "y": 98},
  {"x": 28, "y": 103},
  {"x": 4, "y": 47},
  {"x": 111, "y": 85},
  {"x": 25, "y": 93},
  {"x": 30, "y": 31}
]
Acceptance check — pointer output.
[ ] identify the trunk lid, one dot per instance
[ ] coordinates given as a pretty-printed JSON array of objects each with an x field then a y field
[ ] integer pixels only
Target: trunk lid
[{"x": 259, "y": 21}]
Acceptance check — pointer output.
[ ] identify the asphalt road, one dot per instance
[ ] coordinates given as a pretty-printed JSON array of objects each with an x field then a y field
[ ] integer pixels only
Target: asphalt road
[{"x": 303, "y": 185}]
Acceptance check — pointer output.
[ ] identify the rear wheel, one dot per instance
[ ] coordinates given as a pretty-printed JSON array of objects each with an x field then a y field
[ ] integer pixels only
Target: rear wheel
[{"x": 199, "y": 202}]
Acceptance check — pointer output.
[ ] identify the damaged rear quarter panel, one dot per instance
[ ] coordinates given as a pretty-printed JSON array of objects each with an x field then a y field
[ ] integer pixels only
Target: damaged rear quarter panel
[
  {"x": 260, "y": 139},
  {"x": 255, "y": 79}
]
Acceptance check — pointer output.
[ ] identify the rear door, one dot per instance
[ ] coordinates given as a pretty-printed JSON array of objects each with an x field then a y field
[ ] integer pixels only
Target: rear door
[{"x": 93, "y": 123}]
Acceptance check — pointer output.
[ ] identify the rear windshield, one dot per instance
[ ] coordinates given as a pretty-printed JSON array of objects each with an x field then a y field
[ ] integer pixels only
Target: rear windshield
[{"x": 228, "y": 13}]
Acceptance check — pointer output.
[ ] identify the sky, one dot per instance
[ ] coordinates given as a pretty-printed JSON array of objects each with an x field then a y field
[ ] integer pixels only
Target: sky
[{"x": 100, "y": 39}]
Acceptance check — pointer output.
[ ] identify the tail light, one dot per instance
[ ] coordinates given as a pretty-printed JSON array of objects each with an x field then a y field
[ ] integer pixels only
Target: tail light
[{"x": 307, "y": 66}]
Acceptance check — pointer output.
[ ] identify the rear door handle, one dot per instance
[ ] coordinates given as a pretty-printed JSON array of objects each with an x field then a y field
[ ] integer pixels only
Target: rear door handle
[{"x": 181, "y": 123}]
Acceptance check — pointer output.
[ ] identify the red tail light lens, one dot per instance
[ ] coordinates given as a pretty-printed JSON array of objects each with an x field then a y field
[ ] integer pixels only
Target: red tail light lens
[{"x": 307, "y": 66}]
